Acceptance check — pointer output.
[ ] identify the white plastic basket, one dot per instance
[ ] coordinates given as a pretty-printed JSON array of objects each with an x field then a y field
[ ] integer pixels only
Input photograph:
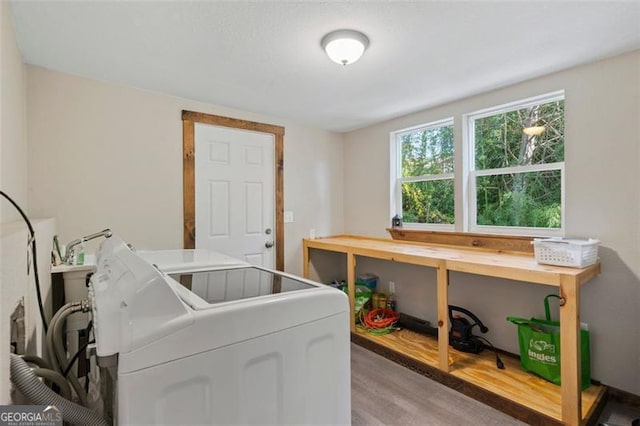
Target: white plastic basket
[{"x": 577, "y": 253}]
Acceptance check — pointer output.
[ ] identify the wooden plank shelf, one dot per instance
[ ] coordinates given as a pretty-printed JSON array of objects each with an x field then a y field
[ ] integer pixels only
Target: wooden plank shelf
[
  {"x": 491, "y": 262},
  {"x": 512, "y": 390}
]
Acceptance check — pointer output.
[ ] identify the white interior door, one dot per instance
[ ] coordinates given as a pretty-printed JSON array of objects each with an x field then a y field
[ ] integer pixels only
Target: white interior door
[{"x": 235, "y": 193}]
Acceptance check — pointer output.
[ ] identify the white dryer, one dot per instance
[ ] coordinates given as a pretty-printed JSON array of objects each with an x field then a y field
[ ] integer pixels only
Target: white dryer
[{"x": 243, "y": 345}]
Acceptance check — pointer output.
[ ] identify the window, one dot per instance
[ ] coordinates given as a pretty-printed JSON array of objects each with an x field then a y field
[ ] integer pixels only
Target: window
[
  {"x": 512, "y": 175},
  {"x": 516, "y": 170},
  {"x": 423, "y": 181}
]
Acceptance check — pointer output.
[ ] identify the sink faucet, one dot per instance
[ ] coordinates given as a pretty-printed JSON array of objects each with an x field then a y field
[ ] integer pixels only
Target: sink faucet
[{"x": 68, "y": 254}]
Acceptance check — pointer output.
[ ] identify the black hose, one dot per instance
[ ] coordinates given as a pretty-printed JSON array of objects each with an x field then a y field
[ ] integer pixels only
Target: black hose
[
  {"x": 75, "y": 356},
  {"x": 32, "y": 243}
]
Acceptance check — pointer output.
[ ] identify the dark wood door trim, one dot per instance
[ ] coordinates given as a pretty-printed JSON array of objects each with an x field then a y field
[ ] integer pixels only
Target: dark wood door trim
[{"x": 189, "y": 118}]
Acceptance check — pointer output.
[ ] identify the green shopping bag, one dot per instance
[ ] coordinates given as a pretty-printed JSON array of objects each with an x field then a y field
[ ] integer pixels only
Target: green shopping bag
[
  {"x": 362, "y": 295},
  {"x": 539, "y": 342}
]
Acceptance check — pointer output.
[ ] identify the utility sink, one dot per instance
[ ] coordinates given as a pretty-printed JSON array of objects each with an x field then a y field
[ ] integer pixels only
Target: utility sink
[{"x": 89, "y": 265}]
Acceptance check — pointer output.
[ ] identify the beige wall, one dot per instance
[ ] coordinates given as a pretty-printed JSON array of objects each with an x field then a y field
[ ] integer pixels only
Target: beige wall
[
  {"x": 13, "y": 126},
  {"x": 15, "y": 283},
  {"x": 102, "y": 155},
  {"x": 603, "y": 200},
  {"x": 13, "y": 173}
]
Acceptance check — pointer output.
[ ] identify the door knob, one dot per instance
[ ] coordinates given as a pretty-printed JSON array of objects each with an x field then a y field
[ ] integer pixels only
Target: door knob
[{"x": 268, "y": 244}]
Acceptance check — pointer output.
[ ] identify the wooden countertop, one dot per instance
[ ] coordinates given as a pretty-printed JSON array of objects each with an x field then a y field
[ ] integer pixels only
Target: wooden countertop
[{"x": 494, "y": 263}]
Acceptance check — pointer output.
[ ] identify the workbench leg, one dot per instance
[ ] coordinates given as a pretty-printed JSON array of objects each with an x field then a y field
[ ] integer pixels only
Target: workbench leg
[
  {"x": 305, "y": 259},
  {"x": 351, "y": 285},
  {"x": 443, "y": 317},
  {"x": 570, "y": 348}
]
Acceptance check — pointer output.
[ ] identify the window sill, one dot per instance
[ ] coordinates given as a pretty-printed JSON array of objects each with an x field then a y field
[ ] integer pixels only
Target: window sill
[{"x": 500, "y": 243}]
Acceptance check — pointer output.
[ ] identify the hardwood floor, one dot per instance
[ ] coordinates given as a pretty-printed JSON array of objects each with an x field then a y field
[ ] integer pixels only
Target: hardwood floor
[{"x": 385, "y": 393}]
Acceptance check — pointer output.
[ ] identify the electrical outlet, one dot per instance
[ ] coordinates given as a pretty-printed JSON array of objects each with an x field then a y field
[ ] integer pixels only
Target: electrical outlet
[
  {"x": 17, "y": 329},
  {"x": 312, "y": 233},
  {"x": 392, "y": 287}
]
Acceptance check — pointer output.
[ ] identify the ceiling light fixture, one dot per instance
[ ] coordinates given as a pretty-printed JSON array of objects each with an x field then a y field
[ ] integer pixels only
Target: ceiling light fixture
[
  {"x": 533, "y": 130},
  {"x": 344, "y": 46}
]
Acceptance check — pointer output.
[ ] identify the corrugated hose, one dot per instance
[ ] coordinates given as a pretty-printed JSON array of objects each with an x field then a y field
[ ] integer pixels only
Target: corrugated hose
[{"x": 38, "y": 393}]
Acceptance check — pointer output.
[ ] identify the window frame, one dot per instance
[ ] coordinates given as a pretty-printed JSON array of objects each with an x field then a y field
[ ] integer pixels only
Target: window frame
[
  {"x": 465, "y": 174},
  {"x": 470, "y": 173},
  {"x": 397, "y": 179}
]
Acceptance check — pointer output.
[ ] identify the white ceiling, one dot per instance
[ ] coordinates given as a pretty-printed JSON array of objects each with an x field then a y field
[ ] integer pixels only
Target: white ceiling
[{"x": 265, "y": 57}]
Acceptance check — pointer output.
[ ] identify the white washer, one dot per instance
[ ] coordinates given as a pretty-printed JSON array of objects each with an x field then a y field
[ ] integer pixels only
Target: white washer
[{"x": 245, "y": 346}]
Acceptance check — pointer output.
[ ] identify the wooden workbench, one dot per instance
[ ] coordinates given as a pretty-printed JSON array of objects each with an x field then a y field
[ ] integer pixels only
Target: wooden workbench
[{"x": 491, "y": 263}]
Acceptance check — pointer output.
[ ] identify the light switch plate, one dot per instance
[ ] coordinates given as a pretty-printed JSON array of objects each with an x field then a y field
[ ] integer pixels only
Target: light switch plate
[{"x": 288, "y": 217}]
